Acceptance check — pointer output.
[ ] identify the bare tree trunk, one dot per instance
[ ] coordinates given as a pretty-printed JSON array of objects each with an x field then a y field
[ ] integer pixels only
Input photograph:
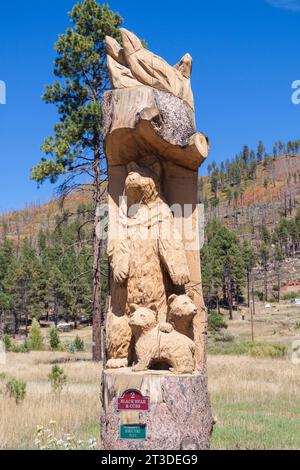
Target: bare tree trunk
[
  {"x": 26, "y": 313},
  {"x": 253, "y": 296},
  {"x": 279, "y": 281},
  {"x": 252, "y": 306},
  {"x": 97, "y": 314},
  {"x": 16, "y": 322},
  {"x": 248, "y": 287},
  {"x": 26, "y": 322},
  {"x": 2, "y": 324},
  {"x": 265, "y": 283},
  {"x": 230, "y": 301}
]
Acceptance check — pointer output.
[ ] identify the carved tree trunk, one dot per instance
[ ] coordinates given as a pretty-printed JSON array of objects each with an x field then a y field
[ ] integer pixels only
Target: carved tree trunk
[
  {"x": 179, "y": 417},
  {"x": 143, "y": 122},
  {"x": 149, "y": 125}
]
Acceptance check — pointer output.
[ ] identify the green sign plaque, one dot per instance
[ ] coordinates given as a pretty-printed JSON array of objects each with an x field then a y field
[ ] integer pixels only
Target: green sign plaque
[{"x": 133, "y": 431}]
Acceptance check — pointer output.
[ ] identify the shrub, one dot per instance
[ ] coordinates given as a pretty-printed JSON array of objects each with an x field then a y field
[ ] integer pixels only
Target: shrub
[
  {"x": 64, "y": 346},
  {"x": 291, "y": 296},
  {"x": 225, "y": 337},
  {"x": 54, "y": 338},
  {"x": 216, "y": 322},
  {"x": 12, "y": 346},
  {"x": 273, "y": 300},
  {"x": 7, "y": 343},
  {"x": 259, "y": 295},
  {"x": 78, "y": 344},
  {"x": 297, "y": 325},
  {"x": 57, "y": 378},
  {"x": 35, "y": 337},
  {"x": 275, "y": 351},
  {"x": 16, "y": 390},
  {"x": 20, "y": 348}
]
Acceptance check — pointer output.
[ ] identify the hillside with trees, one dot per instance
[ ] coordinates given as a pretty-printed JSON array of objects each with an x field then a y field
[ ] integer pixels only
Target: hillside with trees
[
  {"x": 49, "y": 280},
  {"x": 256, "y": 196},
  {"x": 251, "y": 250}
]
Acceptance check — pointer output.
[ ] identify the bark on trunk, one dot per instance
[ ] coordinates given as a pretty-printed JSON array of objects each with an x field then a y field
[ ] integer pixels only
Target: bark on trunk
[{"x": 97, "y": 354}]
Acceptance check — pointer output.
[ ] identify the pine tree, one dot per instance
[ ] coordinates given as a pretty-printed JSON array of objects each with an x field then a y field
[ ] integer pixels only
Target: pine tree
[
  {"x": 223, "y": 267},
  {"x": 25, "y": 285},
  {"x": 77, "y": 148},
  {"x": 6, "y": 259},
  {"x": 35, "y": 339},
  {"x": 54, "y": 340},
  {"x": 246, "y": 154},
  {"x": 260, "y": 151}
]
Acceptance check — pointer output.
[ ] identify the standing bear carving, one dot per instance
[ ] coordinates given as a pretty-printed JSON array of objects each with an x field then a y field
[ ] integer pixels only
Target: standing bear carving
[{"x": 148, "y": 255}]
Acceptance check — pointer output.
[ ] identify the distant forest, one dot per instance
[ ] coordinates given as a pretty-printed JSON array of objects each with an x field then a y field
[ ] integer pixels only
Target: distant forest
[{"x": 49, "y": 276}]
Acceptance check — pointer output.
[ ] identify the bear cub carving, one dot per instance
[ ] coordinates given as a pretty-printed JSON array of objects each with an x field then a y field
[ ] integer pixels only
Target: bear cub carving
[
  {"x": 181, "y": 313},
  {"x": 153, "y": 345}
]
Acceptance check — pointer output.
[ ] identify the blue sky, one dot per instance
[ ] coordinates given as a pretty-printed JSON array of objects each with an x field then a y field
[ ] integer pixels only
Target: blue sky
[{"x": 246, "y": 56}]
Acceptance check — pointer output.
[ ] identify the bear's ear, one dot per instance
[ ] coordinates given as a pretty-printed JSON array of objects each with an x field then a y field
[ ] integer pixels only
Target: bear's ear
[
  {"x": 157, "y": 169},
  {"x": 133, "y": 308},
  {"x": 153, "y": 307},
  {"x": 191, "y": 295},
  {"x": 132, "y": 166},
  {"x": 172, "y": 298}
]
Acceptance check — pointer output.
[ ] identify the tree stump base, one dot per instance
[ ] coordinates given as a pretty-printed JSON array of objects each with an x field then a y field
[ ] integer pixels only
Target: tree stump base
[{"x": 179, "y": 415}]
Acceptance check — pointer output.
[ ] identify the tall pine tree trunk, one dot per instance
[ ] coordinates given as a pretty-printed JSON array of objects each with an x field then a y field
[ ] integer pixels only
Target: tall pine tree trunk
[
  {"x": 248, "y": 286},
  {"x": 16, "y": 322},
  {"x": 97, "y": 317},
  {"x": 279, "y": 281},
  {"x": 265, "y": 283},
  {"x": 230, "y": 301}
]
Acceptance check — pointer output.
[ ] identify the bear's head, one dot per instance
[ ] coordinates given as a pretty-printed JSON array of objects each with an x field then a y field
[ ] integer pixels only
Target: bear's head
[
  {"x": 143, "y": 318},
  {"x": 181, "y": 306},
  {"x": 142, "y": 184}
]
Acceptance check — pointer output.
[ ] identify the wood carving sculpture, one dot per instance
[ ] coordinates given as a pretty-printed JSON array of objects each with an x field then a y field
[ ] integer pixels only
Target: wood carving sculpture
[
  {"x": 150, "y": 140},
  {"x": 155, "y": 346},
  {"x": 145, "y": 257},
  {"x": 156, "y": 321}
]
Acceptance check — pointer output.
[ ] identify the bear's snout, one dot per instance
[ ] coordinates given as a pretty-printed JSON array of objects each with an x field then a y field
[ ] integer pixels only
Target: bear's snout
[
  {"x": 132, "y": 321},
  {"x": 132, "y": 179}
]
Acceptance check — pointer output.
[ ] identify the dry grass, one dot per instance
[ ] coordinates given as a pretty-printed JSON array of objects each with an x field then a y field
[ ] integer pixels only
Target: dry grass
[
  {"x": 256, "y": 401},
  {"x": 273, "y": 325},
  {"x": 76, "y": 410}
]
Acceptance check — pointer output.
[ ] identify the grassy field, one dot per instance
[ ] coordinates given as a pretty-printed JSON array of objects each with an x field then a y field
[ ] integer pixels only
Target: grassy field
[
  {"x": 76, "y": 410},
  {"x": 256, "y": 403},
  {"x": 256, "y": 400}
]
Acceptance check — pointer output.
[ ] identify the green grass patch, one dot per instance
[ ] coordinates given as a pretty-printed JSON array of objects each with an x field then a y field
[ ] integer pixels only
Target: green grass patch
[
  {"x": 262, "y": 425},
  {"x": 247, "y": 348}
]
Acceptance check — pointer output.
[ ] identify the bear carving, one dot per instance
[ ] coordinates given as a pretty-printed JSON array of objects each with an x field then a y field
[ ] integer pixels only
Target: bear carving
[
  {"x": 181, "y": 313},
  {"x": 154, "y": 345},
  {"x": 150, "y": 254}
]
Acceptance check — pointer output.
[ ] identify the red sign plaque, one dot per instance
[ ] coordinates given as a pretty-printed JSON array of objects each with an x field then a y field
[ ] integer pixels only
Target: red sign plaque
[{"x": 133, "y": 400}]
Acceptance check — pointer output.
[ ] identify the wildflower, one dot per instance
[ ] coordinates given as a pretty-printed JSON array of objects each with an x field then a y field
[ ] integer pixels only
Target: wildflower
[{"x": 92, "y": 443}]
